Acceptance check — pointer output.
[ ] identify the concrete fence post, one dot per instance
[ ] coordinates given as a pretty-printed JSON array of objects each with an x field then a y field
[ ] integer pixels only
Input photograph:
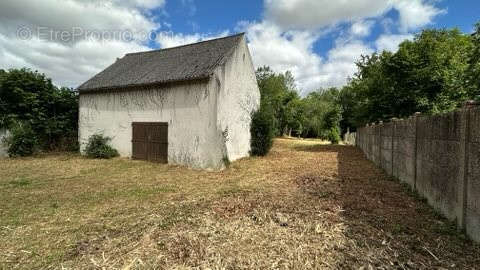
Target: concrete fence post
[
  {"x": 415, "y": 152},
  {"x": 393, "y": 120},
  {"x": 378, "y": 133},
  {"x": 464, "y": 161},
  {"x": 358, "y": 141}
]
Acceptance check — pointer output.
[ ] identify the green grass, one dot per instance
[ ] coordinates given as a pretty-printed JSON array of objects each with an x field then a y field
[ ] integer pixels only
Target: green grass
[{"x": 20, "y": 182}]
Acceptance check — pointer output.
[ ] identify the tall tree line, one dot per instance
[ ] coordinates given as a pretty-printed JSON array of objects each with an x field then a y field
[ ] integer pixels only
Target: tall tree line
[
  {"x": 316, "y": 115},
  {"x": 434, "y": 73}
]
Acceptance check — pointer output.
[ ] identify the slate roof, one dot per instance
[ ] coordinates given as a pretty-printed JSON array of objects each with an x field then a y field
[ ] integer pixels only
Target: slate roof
[{"x": 184, "y": 63}]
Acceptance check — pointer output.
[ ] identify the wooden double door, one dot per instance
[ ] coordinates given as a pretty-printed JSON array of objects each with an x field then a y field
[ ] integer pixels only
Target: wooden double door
[{"x": 150, "y": 141}]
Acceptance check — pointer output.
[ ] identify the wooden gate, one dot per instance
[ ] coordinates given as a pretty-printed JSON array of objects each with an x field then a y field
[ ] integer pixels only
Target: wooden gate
[{"x": 150, "y": 141}]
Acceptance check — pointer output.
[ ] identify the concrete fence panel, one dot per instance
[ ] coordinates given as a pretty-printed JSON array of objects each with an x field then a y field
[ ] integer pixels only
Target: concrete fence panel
[
  {"x": 472, "y": 187},
  {"x": 372, "y": 143},
  {"x": 376, "y": 144},
  {"x": 404, "y": 144},
  {"x": 350, "y": 138},
  {"x": 438, "y": 162},
  {"x": 438, "y": 156},
  {"x": 386, "y": 147},
  {"x": 3, "y": 148}
]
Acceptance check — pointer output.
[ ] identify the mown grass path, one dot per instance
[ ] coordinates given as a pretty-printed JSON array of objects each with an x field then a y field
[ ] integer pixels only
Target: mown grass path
[{"x": 305, "y": 206}]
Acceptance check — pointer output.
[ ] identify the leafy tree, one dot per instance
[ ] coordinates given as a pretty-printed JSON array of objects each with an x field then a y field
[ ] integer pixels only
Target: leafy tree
[
  {"x": 277, "y": 91},
  {"x": 30, "y": 97},
  {"x": 434, "y": 67},
  {"x": 314, "y": 112},
  {"x": 427, "y": 75},
  {"x": 262, "y": 132},
  {"x": 333, "y": 135},
  {"x": 321, "y": 113},
  {"x": 295, "y": 118},
  {"x": 473, "y": 71},
  {"x": 313, "y": 116},
  {"x": 351, "y": 106}
]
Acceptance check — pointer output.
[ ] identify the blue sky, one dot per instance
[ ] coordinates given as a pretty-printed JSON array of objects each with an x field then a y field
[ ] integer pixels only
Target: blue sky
[
  {"x": 318, "y": 40},
  {"x": 462, "y": 14}
]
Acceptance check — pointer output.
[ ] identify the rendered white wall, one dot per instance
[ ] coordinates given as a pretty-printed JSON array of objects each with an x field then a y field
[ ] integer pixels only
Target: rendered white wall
[
  {"x": 208, "y": 121},
  {"x": 189, "y": 110},
  {"x": 239, "y": 97}
]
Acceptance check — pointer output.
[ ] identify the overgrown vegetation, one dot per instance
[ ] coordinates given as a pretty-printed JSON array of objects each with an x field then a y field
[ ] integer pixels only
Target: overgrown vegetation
[
  {"x": 434, "y": 73},
  {"x": 28, "y": 98},
  {"x": 333, "y": 135},
  {"x": 22, "y": 140},
  {"x": 262, "y": 133},
  {"x": 314, "y": 116},
  {"x": 98, "y": 147}
]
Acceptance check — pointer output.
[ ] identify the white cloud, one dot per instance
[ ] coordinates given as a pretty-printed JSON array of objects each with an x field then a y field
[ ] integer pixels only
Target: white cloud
[
  {"x": 415, "y": 13},
  {"x": 293, "y": 51},
  {"x": 68, "y": 14},
  {"x": 390, "y": 43},
  {"x": 362, "y": 28},
  {"x": 68, "y": 65},
  {"x": 284, "y": 51},
  {"x": 285, "y": 38},
  {"x": 148, "y": 4},
  {"x": 313, "y": 14},
  {"x": 341, "y": 62},
  {"x": 170, "y": 39},
  {"x": 71, "y": 62}
]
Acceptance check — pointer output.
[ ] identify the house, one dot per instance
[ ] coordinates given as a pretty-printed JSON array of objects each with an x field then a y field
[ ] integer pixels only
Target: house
[{"x": 188, "y": 105}]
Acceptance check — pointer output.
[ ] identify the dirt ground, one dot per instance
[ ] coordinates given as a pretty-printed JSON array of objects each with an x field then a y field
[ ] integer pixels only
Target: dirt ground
[{"x": 306, "y": 205}]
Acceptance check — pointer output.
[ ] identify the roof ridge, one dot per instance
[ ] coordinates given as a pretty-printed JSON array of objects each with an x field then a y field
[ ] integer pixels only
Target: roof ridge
[{"x": 187, "y": 45}]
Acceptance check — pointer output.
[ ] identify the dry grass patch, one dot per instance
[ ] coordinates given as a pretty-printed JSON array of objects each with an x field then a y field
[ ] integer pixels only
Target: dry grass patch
[{"x": 306, "y": 205}]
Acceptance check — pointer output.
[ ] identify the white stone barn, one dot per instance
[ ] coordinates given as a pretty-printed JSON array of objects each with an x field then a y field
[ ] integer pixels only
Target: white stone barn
[{"x": 188, "y": 105}]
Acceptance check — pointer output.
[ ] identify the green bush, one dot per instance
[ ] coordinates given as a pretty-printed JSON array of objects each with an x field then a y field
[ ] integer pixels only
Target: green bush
[
  {"x": 333, "y": 135},
  {"x": 52, "y": 112},
  {"x": 22, "y": 140},
  {"x": 262, "y": 132},
  {"x": 98, "y": 147}
]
